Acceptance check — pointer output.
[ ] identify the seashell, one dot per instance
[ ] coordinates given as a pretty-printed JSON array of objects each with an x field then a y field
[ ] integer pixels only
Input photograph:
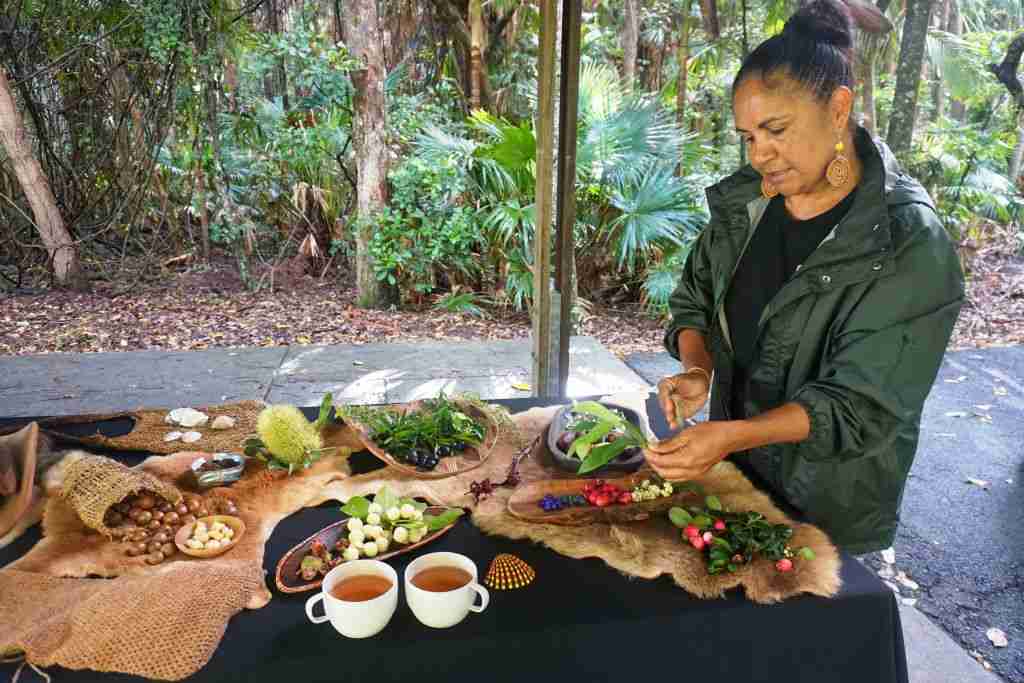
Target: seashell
[
  {"x": 186, "y": 417},
  {"x": 508, "y": 572},
  {"x": 191, "y": 437},
  {"x": 223, "y": 422},
  {"x": 172, "y": 436}
]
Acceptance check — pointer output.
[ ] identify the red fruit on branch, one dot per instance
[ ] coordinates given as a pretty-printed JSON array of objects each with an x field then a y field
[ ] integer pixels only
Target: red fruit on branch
[
  {"x": 625, "y": 498},
  {"x": 602, "y": 500},
  {"x": 697, "y": 542},
  {"x": 719, "y": 525},
  {"x": 784, "y": 565},
  {"x": 708, "y": 537},
  {"x": 691, "y": 531}
]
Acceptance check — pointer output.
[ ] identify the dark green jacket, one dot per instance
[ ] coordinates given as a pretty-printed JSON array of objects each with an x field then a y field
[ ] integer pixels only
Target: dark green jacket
[{"x": 855, "y": 336}]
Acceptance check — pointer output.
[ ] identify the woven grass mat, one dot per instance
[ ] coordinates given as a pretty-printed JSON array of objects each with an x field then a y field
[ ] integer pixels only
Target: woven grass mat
[{"x": 150, "y": 428}]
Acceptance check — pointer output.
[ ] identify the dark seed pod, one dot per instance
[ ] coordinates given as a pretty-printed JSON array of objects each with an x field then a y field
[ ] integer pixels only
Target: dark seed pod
[
  {"x": 147, "y": 502},
  {"x": 153, "y": 525},
  {"x": 167, "y": 549},
  {"x": 181, "y": 509},
  {"x": 172, "y": 518}
]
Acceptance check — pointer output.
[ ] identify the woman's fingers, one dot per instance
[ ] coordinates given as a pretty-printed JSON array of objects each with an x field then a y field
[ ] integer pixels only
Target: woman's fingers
[
  {"x": 668, "y": 406},
  {"x": 673, "y": 443}
]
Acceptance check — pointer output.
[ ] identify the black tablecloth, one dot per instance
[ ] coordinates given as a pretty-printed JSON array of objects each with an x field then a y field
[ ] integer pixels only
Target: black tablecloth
[{"x": 578, "y": 621}]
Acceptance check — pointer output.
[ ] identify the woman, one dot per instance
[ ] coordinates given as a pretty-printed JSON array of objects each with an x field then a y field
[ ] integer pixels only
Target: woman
[{"x": 820, "y": 297}]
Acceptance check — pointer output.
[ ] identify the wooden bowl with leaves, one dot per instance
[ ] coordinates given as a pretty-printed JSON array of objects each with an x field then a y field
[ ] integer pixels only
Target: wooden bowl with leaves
[
  {"x": 185, "y": 533},
  {"x": 398, "y": 434}
]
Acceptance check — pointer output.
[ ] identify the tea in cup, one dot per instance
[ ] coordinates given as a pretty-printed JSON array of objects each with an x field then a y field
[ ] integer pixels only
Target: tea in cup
[
  {"x": 441, "y": 589},
  {"x": 359, "y": 598}
]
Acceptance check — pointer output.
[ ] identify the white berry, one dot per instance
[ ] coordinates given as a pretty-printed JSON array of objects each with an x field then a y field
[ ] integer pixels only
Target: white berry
[
  {"x": 355, "y": 524},
  {"x": 376, "y": 509},
  {"x": 401, "y": 535},
  {"x": 382, "y": 544},
  {"x": 370, "y": 549},
  {"x": 373, "y": 518},
  {"x": 351, "y": 553},
  {"x": 393, "y": 514},
  {"x": 407, "y": 511},
  {"x": 356, "y": 537}
]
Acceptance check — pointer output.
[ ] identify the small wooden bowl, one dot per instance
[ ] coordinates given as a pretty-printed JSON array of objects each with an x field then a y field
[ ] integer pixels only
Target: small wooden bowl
[{"x": 185, "y": 533}]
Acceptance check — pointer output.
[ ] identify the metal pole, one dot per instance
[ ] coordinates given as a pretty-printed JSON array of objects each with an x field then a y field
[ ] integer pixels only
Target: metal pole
[
  {"x": 566, "y": 193},
  {"x": 542, "y": 239}
]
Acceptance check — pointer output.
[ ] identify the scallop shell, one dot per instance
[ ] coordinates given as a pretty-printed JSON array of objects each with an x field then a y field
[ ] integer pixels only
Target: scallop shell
[{"x": 508, "y": 572}]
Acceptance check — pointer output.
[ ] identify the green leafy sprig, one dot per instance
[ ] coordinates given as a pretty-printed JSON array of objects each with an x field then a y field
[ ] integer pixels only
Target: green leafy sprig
[
  {"x": 440, "y": 422},
  {"x": 746, "y": 535}
]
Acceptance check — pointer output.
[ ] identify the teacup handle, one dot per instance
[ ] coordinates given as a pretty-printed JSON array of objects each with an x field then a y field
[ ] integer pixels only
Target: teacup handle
[
  {"x": 485, "y": 598},
  {"x": 309, "y": 609}
]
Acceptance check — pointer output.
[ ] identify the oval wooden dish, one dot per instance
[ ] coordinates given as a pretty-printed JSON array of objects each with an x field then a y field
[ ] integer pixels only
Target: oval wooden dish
[
  {"x": 288, "y": 578},
  {"x": 463, "y": 461},
  {"x": 525, "y": 502},
  {"x": 185, "y": 532}
]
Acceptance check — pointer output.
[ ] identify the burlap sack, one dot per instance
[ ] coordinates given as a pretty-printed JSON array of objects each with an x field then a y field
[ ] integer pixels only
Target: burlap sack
[{"x": 93, "y": 483}]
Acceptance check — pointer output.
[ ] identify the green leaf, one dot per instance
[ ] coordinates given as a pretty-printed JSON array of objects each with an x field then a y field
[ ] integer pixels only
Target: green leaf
[
  {"x": 254, "y": 442},
  {"x": 357, "y": 506},
  {"x": 713, "y": 503},
  {"x": 680, "y": 517},
  {"x": 583, "y": 443},
  {"x": 602, "y": 455},
  {"x": 722, "y": 543},
  {"x": 702, "y": 521},
  {"x": 806, "y": 553},
  {"x": 386, "y": 498},
  {"x": 597, "y": 410},
  {"x": 438, "y": 522},
  {"x": 325, "y": 412}
]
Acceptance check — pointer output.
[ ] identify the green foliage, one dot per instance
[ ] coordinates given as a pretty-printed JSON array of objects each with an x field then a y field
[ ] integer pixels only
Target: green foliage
[
  {"x": 460, "y": 302},
  {"x": 591, "y": 447}
]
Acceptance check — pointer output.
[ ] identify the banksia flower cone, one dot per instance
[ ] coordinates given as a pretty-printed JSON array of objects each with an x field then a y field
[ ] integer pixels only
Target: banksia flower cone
[{"x": 287, "y": 434}]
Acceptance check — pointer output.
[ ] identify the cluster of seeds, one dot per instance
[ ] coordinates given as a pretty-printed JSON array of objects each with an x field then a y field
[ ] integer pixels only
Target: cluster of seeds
[
  {"x": 217, "y": 535},
  {"x": 648, "y": 491},
  {"x": 552, "y": 503}
]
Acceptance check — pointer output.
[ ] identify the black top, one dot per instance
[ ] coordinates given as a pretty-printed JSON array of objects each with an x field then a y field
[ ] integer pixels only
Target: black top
[{"x": 780, "y": 244}]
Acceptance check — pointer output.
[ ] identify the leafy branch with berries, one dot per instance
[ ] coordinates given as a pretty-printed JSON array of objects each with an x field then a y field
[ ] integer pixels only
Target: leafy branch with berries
[{"x": 730, "y": 540}]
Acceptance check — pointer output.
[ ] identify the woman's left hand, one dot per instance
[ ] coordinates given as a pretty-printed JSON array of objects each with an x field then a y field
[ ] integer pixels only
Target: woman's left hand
[{"x": 691, "y": 452}]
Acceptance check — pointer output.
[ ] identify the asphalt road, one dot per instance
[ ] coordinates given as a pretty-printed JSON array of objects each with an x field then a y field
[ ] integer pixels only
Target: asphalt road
[{"x": 963, "y": 543}]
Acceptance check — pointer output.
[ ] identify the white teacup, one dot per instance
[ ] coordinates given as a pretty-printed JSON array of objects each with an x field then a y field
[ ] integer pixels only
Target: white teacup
[
  {"x": 444, "y": 609},
  {"x": 356, "y": 619}
]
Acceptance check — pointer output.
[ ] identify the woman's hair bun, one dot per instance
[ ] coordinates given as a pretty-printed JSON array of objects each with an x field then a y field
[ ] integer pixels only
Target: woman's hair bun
[{"x": 822, "y": 21}]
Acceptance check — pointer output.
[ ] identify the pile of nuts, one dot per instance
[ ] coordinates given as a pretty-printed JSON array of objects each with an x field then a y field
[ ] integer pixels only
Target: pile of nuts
[
  {"x": 147, "y": 524},
  {"x": 217, "y": 535}
]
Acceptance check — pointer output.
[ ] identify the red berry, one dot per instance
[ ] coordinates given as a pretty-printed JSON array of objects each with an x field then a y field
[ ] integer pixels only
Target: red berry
[
  {"x": 691, "y": 531},
  {"x": 719, "y": 525},
  {"x": 625, "y": 498},
  {"x": 603, "y": 500},
  {"x": 697, "y": 542},
  {"x": 708, "y": 537},
  {"x": 784, "y": 565}
]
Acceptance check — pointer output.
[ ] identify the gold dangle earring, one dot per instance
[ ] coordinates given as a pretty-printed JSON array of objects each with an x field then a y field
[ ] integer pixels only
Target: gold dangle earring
[
  {"x": 839, "y": 169},
  {"x": 767, "y": 189}
]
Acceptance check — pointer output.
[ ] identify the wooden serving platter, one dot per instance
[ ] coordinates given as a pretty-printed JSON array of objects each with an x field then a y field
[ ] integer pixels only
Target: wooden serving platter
[
  {"x": 524, "y": 503},
  {"x": 287, "y": 575},
  {"x": 463, "y": 461}
]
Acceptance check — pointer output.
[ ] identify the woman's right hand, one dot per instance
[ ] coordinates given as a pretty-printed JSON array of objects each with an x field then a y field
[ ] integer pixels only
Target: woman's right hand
[{"x": 681, "y": 396}]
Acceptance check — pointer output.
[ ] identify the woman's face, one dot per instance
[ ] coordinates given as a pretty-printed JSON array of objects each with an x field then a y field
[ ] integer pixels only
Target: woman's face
[{"x": 790, "y": 135}]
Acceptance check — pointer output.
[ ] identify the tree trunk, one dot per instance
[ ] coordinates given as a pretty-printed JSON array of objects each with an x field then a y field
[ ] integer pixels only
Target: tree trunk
[
  {"x": 59, "y": 245},
  {"x": 362, "y": 29},
  {"x": 1018, "y": 151},
  {"x": 204, "y": 213},
  {"x": 683, "y": 58},
  {"x": 908, "y": 75},
  {"x": 938, "y": 93},
  {"x": 630, "y": 39},
  {"x": 476, "y": 52},
  {"x": 955, "y": 25}
]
